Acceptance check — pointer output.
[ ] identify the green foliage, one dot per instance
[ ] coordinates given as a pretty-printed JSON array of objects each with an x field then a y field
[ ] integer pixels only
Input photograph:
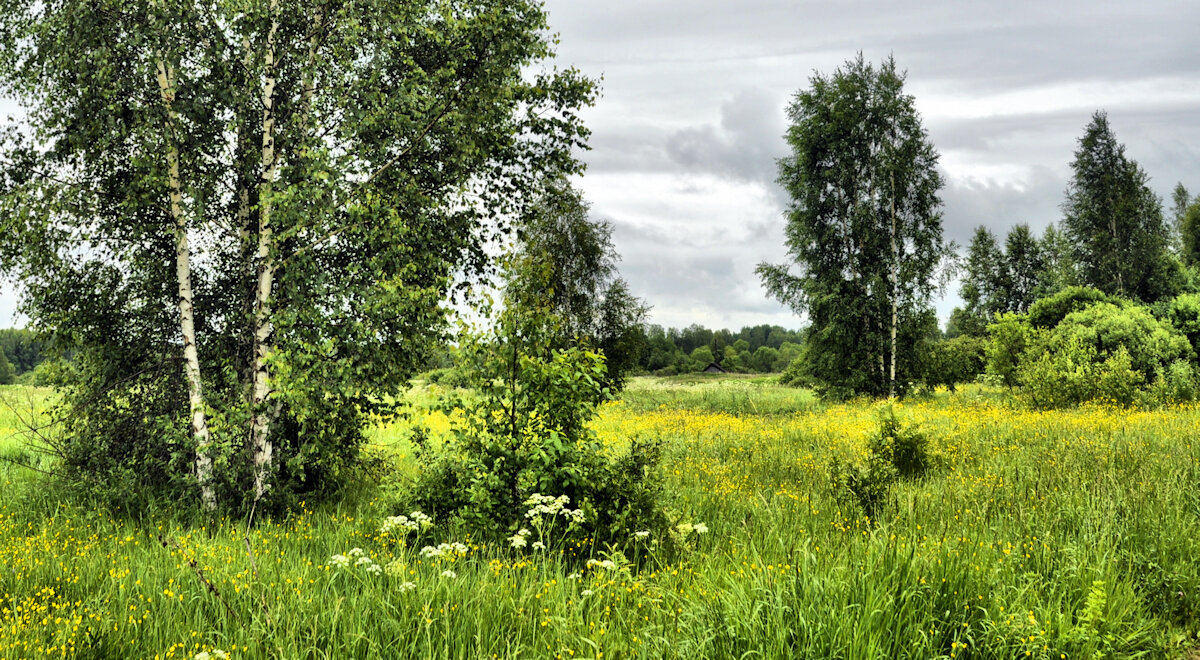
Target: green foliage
[
  {"x": 7, "y": 374},
  {"x": 1151, "y": 344},
  {"x": 568, "y": 262},
  {"x": 333, "y": 217},
  {"x": 950, "y": 362},
  {"x": 22, "y": 348},
  {"x": 1009, "y": 335},
  {"x": 864, "y": 229},
  {"x": 895, "y": 451},
  {"x": 1070, "y": 371},
  {"x": 1050, "y": 311},
  {"x": 1184, "y": 313},
  {"x": 527, "y": 434},
  {"x": 1115, "y": 222}
]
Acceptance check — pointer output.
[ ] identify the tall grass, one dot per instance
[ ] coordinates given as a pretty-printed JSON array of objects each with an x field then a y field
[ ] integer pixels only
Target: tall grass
[{"x": 1042, "y": 535}]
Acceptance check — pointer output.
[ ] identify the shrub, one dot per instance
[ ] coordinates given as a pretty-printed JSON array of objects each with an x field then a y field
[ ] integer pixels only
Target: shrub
[
  {"x": 895, "y": 451},
  {"x": 526, "y": 436},
  {"x": 1008, "y": 338},
  {"x": 1048, "y": 312},
  {"x": 953, "y": 361}
]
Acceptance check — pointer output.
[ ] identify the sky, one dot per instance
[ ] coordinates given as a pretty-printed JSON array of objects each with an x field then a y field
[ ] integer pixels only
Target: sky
[{"x": 694, "y": 93}]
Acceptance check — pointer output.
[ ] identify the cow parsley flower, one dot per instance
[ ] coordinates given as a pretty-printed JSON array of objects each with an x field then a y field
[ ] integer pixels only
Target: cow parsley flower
[
  {"x": 339, "y": 561},
  {"x": 519, "y": 539},
  {"x": 449, "y": 574}
]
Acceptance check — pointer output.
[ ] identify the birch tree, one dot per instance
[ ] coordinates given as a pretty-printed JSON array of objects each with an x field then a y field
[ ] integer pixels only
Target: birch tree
[
  {"x": 864, "y": 229},
  {"x": 242, "y": 218}
]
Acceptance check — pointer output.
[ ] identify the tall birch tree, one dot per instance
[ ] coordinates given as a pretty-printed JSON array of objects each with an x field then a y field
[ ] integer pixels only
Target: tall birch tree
[
  {"x": 864, "y": 229},
  {"x": 242, "y": 218}
]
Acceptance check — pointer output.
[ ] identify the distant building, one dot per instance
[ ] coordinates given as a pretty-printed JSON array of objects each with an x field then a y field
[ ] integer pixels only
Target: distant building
[{"x": 714, "y": 368}]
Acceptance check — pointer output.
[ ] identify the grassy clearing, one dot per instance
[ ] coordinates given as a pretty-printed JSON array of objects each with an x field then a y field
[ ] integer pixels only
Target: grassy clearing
[{"x": 1041, "y": 534}]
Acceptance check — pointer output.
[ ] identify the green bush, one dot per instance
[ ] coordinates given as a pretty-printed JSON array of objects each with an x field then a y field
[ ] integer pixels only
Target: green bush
[
  {"x": 953, "y": 361},
  {"x": 1008, "y": 338},
  {"x": 895, "y": 451},
  {"x": 1183, "y": 312},
  {"x": 1070, "y": 372},
  {"x": 1050, "y": 311},
  {"x": 526, "y": 438}
]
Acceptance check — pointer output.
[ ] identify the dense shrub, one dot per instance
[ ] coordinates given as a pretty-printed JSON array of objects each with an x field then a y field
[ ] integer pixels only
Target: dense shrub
[
  {"x": 1183, "y": 312},
  {"x": 1050, "y": 311},
  {"x": 1009, "y": 336},
  {"x": 526, "y": 437},
  {"x": 1151, "y": 344},
  {"x": 953, "y": 361}
]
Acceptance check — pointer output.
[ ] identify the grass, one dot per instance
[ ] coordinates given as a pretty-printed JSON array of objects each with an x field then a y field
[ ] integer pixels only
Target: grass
[{"x": 1065, "y": 534}]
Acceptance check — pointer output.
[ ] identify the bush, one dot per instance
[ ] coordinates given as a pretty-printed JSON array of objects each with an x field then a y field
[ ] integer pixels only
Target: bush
[
  {"x": 1071, "y": 372},
  {"x": 1050, "y": 311},
  {"x": 895, "y": 451},
  {"x": 1008, "y": 338},
  {"x": 526, "y": 438},
  {"x": 953, "y": 361}
]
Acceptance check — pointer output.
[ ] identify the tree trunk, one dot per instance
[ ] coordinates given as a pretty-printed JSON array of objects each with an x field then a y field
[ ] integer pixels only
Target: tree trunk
[
  {"x": 263, "y": 450},
  {"x": 183, "y": 275},
  {"x": 895, "y": 277}
]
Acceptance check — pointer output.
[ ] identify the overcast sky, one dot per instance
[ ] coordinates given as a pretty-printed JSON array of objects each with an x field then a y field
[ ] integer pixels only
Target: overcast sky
[{"x": 691, "y": 119}]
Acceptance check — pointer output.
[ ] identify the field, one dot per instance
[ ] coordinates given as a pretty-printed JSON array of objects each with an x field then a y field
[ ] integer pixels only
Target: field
[{"x": 1068, "y": 534}]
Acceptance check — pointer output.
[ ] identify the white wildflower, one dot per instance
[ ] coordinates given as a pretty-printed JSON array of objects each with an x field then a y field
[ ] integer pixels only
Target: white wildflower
[
  {"x": 374, "y": 569},
  {"x": 339, "y": 561},
  {"x": 356, "y": 552},
  {"x": 407, "y": 586},
  {"x": 538, "y": 545},
  {"x": 444, "y": 549},
  {"x": 586, "y": 592},
  {"x": 642, "y": 534},
  {"x": 519, "y": 539},
  {"x": 449, "y": 574},
  {"x": 573, "y": 576},
  {"x": 203, "y": 655},
  {"x": 700, "y": 528}
]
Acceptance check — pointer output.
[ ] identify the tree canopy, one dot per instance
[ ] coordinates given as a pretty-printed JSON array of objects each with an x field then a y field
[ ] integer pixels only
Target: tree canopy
[
  {"x": 242, "y": 218},
  {"x": 864, "y": 228},
  {"x": 1114, "y": 221}
]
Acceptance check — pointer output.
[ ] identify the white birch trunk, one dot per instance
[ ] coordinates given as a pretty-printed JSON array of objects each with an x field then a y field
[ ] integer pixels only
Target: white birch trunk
[
  {"x": 183, "y": 275},
  {"x": 263, "y": 450},
  {"x": 895, "y": 275}
]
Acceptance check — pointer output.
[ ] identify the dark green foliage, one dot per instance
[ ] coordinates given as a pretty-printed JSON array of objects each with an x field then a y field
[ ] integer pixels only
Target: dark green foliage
[
  {"x": 1114, "y": 221},
  {"x": 950, "y": 362},
  {"x": 1049, "y": 312},
  {"x": 7, "y": 373},
  {"x": 1025, "y": 266},
  {"x": 902, "y": 445},
  {"x": 963, "y": 323},
  {"x": 527, "y": 434},
  {"x": 22, "y": 348},
  {"x": 864, "y": 229},
  {"x": 1189, "y": 234},
  {"x": 984, "y": 279}
]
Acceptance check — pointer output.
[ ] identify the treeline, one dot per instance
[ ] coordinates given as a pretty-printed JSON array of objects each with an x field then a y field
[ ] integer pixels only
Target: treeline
[
  {"x": 753, "y": 349},
  {"x": 20, "y": 354}
]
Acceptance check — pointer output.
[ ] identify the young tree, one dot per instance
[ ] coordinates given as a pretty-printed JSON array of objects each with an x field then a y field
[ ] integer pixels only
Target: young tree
[
  {"x": 568, "y": 264},
  {"x": 864, "y": 228},
  {"x": 241, "y": 217},
  {"x": 1114, "y": 221},
  {"x": 984, "y": 278},
  {"x": 1059, "y": 269},
  {"x": 1025, "y": 267}
]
